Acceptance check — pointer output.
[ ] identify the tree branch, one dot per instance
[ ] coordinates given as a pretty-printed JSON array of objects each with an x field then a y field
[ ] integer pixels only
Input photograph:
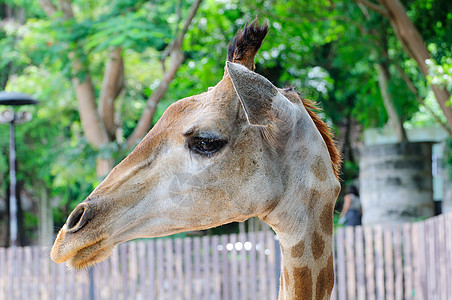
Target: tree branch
[
  {"x": 92, "y": 125},
  {"x": 413, "y": 43},
  {"x": 177, "y": 43},
  {"x": 66, "y": 7},
  {"x": 112, "y": 85},
  {"x": 190, "y": 17},
  {"x": 394, "y": 120},
  {"x": 177, "y": 58},
  {"x": 421, "y": 101},
  {"x": 375, "y": 7},
  {"x": 384, "y": 76},
  {"x": 146, "y": 116},
  {"x": 406, "y": 33},
  {"x": 48, "y": 7}
]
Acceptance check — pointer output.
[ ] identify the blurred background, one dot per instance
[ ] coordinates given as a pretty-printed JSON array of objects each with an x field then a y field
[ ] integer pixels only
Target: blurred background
[{"x": 104, "y": 72}]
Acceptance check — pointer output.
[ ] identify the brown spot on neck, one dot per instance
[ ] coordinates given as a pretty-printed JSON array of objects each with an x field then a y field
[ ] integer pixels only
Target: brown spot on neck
[
  {"x": 303, "y": 283},
  {"x": 326, "y": 219},
  {"x": 319, "y": 169},
  {"x": 314, "y": 198},
  {"x": 298, "y": 249},
  {"x": 317, "y": 245},
  {"x": 325, "y": 280}
]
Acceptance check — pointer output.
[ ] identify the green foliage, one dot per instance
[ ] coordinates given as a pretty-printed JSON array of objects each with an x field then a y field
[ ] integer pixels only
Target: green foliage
[
  {"x": 433, "y": 18},
  {"x": 422, "y": 118},
  {"x": 30, "y": 223},
  {"x": 324, "y": 48},
  {"x": 352, "y": 169},
  {"x": 441, "y": 74}
]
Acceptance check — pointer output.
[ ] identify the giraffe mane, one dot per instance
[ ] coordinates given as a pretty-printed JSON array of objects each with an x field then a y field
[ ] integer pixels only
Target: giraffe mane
[{"x": 325, "y": 131}]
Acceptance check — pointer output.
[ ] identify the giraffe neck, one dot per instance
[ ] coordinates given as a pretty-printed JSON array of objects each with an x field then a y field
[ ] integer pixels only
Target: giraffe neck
[
  {"x": 303, "y": 216},
  {"x": 306, "y": 272},
  {"x": 305, "y": 232}
]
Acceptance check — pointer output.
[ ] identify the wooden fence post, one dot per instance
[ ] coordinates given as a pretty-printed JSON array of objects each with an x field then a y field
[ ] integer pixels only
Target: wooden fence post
[
  {"x": 369, "y": 262},
  {"x": 341, "y": 266},
  {"x": 360, "y": 270}
]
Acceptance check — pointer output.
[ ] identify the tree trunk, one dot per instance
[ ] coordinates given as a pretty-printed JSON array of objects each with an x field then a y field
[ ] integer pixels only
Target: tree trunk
[
  {"x": 414, "y": 45},
  {"x": 146, "y": 117},
  {"x": 394, "y": 120},
  {"x": 111, "y": 87},
  {"x": 91, "y": 123}
]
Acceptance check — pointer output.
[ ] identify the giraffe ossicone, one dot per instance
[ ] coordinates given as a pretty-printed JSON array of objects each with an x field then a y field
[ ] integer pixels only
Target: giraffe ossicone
[{"x": 244, "y": 148}]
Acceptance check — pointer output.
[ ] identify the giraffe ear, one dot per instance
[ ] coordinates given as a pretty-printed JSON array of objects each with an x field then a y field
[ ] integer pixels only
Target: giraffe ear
[{"x": 264, "y": 105}]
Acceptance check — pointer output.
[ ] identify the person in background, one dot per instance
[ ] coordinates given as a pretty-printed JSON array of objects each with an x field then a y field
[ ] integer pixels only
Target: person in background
[{"x": 351, "y": 212}]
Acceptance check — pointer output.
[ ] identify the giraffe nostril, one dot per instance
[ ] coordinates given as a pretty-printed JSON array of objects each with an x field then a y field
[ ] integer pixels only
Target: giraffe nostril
[{"x": 79, "y": 217}]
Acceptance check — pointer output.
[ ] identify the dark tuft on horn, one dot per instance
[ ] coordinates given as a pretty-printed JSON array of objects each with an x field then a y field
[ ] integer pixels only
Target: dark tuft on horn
[{"x": 246, "y": 43}]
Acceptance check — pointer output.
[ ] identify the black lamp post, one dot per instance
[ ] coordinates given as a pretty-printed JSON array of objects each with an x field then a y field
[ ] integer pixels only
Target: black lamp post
[{"x": 11, "y": 117}]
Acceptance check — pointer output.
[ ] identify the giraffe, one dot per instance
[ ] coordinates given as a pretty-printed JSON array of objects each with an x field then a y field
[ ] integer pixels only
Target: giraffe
[{"x": 244, "y": 148}]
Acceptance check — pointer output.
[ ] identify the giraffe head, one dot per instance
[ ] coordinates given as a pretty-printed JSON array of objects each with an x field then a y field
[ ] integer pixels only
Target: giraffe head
[{"x": 214, "y": 158}]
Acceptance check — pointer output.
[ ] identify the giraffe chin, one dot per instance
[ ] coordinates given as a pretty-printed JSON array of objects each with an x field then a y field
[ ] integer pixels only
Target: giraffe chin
[
  {"x": 80, "y": 261},
  {"x": 80, "y": 254},
  {"x": 90, "y": 255}
]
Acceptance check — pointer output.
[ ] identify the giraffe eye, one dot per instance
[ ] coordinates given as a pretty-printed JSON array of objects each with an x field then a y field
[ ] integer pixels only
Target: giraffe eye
[{"x": 205, "y": 146}]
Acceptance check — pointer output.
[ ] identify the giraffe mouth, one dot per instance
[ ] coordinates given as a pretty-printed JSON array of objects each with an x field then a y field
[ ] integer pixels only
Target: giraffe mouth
[
  {"x": 79, "y": 254},
  {"x": 90, "y": 255}
]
